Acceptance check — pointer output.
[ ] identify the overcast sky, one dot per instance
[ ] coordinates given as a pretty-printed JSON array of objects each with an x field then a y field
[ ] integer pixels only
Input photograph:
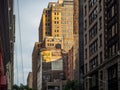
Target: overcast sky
[{"x": 30, "y": 15}]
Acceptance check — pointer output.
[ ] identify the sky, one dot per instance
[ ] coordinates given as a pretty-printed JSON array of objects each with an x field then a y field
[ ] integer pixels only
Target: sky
[{"x": 30, "y": 12}]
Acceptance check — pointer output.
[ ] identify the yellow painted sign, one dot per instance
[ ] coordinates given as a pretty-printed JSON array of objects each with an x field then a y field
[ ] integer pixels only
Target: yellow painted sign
[
  {"x": 46, "y": 56},
  {"x": 51, "y": 55}
]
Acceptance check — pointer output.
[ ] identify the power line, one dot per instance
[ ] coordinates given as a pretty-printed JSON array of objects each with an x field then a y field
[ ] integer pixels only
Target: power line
[{"x": 20, "y": 39}]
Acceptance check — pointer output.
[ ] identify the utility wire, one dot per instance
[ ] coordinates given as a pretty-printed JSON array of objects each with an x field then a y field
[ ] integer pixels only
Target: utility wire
[{"x": 20, "y": 39}]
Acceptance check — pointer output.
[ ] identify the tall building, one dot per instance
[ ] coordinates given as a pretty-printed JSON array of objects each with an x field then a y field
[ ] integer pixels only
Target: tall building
[
  {"x": 35, "y": 60},
  {"x": 7, "y": 39},
  {"x": 57, "y": 21},
  {"x": 112, "y": 44},
  {"x": 67, "y": 24},
  {"x": 29, "y": 80},
  {"x": 55, "y": 35},
  {"x": 10, "y": 65},
  {"x": 101, "y": 44}
]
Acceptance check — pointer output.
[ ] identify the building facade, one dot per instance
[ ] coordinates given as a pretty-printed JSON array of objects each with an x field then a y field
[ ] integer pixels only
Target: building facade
[
  {"x": 29, "y": 80},
  {"x": 57, "y": 21},
  {"x": 7, "y": 39},
  {"x": 67, "y": 24},
  {"x": 68, "y": 64},
  {"x": 101, "y": 44},
  {"x": 81, "y": 44},
  {"x": 35, "y": 64},
  {"x": 55, "y": 35}
]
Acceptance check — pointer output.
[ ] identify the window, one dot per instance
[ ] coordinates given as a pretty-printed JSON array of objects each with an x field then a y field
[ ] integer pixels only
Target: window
[
  {"x": 100, "y": 5},
  {"x": 91, "y": 3},
  {"x": 112, "y": 71},
  {"x": 93, "y": 63},
  {"x": 85, "y": 10},
  {"x": 93, "y": 16},
  {"x": 101, "y": 57},
  {"x": 113, "y": 50},
  {"x": 100, "y": 40},
  {"x": 100, "y": 23},
  {"x": 112, "y": 31},
  {"x": 93, "y": 47},
  {"x": 85, "y": 24},
  {"x": 86, "y": 53},
  {"x": 85, "y": 39},
  {"x": 86, "y": 67},
  {"x": 93, "y": 32},
  {"x": 111, "y": 12},
  {"x": 57, "y": 22},
  {"x": 101, "y": 78},
  {"x": 113, "y": 78}
]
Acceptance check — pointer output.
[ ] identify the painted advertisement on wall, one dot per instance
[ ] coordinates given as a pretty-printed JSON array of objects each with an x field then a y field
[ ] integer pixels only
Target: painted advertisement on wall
[
  {"x": 46, "y": 56},
  {"x": 51, "y": 55},
  {"x": 55, "y": 55}
]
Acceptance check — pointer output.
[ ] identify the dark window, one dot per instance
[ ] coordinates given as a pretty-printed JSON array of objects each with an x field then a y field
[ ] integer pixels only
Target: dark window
[
  {"x": 111, "y": 12},
  {"x": 91, "y": 3},
  {"x": 85, "y": 10},
  {"x": 101, "y": 57},
  {"x": 101, "y": 40},
  {"x": 85, "y": 25},
  {"x": 86, "y": 68},
  {"x": 101, "y": 78},
  {"x": 94, "y": 63},
  {"x": 85, "y": 39},
  {"x": 93, "y": 32},
  {"x": 93, "y": 47},
  {"x": 93, "y": 16},
  {"x": 94, "y": 82},
  {"x": 113, "y": 78},
  {"x": 86, "y": 53},
  {"x": 100, "y": 5},
  {"x": 100, "y": 23}
]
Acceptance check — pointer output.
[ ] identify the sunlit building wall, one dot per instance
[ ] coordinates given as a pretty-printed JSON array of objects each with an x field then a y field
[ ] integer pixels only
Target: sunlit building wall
[
  {"x": 57, "y": 21},
  {"x": 67, "y": 24}
]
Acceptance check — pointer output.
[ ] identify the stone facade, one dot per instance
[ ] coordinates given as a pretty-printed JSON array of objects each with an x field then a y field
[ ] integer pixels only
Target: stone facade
[{"x": 101, "y": 40}]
